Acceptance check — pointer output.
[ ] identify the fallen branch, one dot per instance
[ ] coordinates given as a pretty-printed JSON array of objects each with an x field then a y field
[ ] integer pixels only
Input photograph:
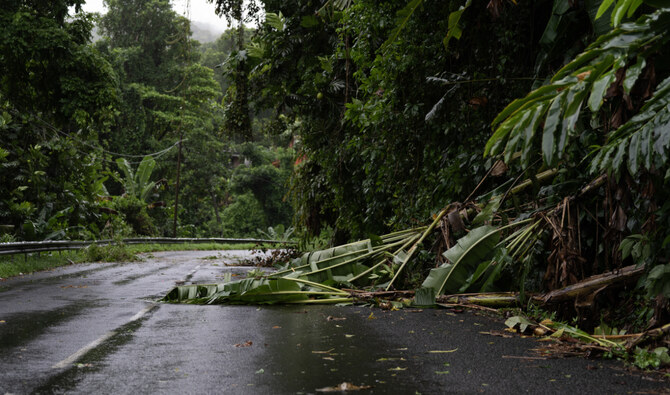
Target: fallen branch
[
  {"x": 468, "y": 306},
  {"x": 593, "y": 283},
  {"x": 649, "y": 335},
  {"x": 368, "y": 295},
  {"x": 499, "y": 299}
]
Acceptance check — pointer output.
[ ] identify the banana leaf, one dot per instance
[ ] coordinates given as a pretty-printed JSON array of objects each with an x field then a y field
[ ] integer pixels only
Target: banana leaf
[
  {"x": 424, "y": 297},
  {"x": 254, "y": 291},
  {"x": 464, "y": 258},
  {"x": 310, "y": 278},
  {"x": 347, "y": 263}
]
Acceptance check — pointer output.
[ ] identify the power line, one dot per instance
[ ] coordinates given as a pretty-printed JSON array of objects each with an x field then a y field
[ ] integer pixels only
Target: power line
[{"x": 58, "y": 131}]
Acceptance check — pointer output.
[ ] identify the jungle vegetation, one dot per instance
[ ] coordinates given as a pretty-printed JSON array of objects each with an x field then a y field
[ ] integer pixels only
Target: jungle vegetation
[
  {"x": 96, "y": 136},
  {"x": 474, "y": 145}
]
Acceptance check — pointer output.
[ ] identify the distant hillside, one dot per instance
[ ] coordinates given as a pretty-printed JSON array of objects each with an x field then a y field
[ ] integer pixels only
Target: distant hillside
[
  {"x": 206, "y": 33},
  {"x": 203, "y": 32}
]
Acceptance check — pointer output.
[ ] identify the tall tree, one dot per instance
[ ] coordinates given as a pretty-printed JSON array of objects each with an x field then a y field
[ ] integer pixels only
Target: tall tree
[
  {"x": 56, "y": 95},
  {"x": 237, "y": 116},
  {"x": 168, "y": 96}
]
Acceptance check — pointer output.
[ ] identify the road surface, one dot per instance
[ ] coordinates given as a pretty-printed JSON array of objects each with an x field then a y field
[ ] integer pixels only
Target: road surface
[{"x": 97, "y": 328}]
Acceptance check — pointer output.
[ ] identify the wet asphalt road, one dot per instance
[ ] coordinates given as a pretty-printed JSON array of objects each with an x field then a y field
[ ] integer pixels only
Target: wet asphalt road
[{"x": 96, "y": 329}]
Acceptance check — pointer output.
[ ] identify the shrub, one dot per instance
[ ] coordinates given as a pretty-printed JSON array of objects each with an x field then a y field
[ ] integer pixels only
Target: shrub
[{"x": 243, "y": 217}]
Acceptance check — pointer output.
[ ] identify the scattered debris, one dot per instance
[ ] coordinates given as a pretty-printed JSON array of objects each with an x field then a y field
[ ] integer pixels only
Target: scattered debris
[
  {"x": 344, "y": 387},
  {"x": 270, "y": 258}
]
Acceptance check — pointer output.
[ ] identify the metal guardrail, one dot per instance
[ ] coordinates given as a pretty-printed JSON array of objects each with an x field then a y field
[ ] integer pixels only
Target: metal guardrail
[{"x": 26, "y": 247}]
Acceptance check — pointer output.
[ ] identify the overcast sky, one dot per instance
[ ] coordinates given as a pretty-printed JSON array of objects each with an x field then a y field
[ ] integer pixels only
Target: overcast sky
[{"x": 201, "y": 11}]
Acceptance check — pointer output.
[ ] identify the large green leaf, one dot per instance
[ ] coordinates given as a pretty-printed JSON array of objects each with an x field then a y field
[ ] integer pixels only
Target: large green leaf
[
  {"x": 403, "y": 17},
  {"x": 276, "y": 21},
  {"x": 454, "y": 29},
  {"x": 643, "y": 141},
  {"x": 464, "y": 258},
  {"x": 559, "y": 104},
  {"x": 252, "y": 291},
  {"x": 349, "y": 262},
  {"x": 551, "y": 126},
  {"x": 129, "y": 181},
  {"x": 137, "y": 184},
  {"x": 144, "y": 187}
]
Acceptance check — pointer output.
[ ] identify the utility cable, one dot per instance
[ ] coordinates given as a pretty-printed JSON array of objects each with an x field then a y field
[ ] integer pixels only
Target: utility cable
[{"x": 54, "y": 129}]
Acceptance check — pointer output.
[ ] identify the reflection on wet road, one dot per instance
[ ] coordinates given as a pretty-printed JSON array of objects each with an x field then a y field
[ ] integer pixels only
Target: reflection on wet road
[{"x": 97, "y": 329}]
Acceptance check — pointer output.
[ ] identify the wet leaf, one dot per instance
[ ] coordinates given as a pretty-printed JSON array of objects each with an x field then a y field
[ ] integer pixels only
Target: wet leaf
[
  {"x": 397, "y": 369},
  {"x": 442, "y": 372},
  {"x": 518, "y": 321},
  {"x": 247, "y": 343},
  {"x": 260, "y": 371},
  {"x": 442, "y": 351},
  {"x": 344, "y": 387},
  {"x": 372, "y": 316},
  {"x": 390, "y": 359},
  {"x": 424, "y": 297},
  {"x": 348, "y": 336},
  {"x": 331, "y": 318}
]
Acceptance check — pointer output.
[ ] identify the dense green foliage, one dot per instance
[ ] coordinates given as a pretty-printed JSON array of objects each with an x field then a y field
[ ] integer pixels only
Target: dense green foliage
[
  {"x": 553, "y": 114},
  {"x": 56, "y": 95},
  {"x": 79, "y": 118},
  {"x": 380, "y": 128}
]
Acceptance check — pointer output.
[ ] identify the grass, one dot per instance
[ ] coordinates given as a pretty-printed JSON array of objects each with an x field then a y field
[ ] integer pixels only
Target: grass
[{"x": 14, "y": 265}]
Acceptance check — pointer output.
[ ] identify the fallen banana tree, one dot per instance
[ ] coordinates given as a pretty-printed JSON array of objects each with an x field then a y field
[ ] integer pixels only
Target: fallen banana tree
[
  {"x": 315, "y": 276},
  {"x": 473, "y": 263},
  {"x": 368, "y": 269}
]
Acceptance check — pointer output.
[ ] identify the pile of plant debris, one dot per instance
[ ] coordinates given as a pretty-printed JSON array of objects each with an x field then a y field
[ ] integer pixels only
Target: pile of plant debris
[
  {"x": 479, "y": 253},
  {"x": 263, "y": 257}
]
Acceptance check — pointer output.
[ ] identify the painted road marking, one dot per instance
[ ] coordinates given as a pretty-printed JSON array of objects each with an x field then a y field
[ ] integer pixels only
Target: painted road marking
[{"x": 95, "y": 343}]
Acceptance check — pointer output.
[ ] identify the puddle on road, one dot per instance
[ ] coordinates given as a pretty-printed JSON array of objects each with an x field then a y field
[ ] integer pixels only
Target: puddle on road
[{"x": 20, "y": 328}]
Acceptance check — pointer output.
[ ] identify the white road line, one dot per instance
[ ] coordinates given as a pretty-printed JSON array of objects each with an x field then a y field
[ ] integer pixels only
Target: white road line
[
  {"x": 95, "y": 343},
  {"x": 192, "y": 272},
  {"x": 72, "y": 358},
  {"x": 142, "y": 313}
]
